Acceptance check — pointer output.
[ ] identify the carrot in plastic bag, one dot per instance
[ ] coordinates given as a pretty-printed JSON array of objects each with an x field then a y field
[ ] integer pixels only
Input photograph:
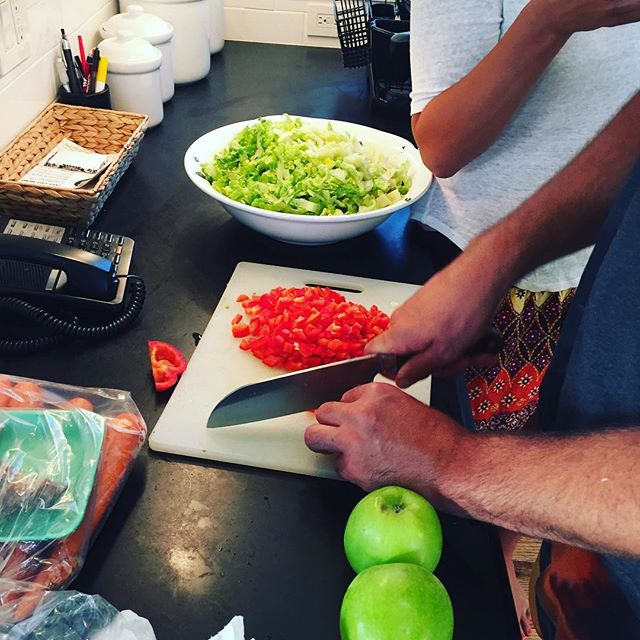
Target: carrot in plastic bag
[
  {"x": 5, "y": 384},
  {"x": 26, "y": 395},
  {"x": 123, "y": 438}
]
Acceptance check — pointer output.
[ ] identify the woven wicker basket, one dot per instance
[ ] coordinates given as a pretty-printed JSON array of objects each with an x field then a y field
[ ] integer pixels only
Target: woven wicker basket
[{"x": 100, "y": 130}]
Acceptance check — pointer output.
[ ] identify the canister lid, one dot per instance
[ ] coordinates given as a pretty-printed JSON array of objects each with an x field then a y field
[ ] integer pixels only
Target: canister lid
[
  {"x": 130, "y": 54},
  {"x": 144, "y": 25}
]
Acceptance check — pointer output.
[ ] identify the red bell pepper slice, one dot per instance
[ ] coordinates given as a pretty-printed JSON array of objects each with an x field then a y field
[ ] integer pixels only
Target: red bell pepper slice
[{"x": 167, "y": 363}]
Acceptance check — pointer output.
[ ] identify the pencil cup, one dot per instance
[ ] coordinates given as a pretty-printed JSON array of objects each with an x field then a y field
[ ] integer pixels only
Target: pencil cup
[{"x": 98, "y": 100}]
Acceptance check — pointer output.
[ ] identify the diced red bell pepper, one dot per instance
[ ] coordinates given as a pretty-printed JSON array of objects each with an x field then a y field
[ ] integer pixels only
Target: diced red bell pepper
[
  {"x": 240, "y": 330},
  {"x": 303, "y": 327},
  {"x": 167, "y": 363}
]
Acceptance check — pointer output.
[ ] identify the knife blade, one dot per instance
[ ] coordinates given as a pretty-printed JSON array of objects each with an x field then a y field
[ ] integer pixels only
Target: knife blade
[
  {"x": 308, "y": 389},
  {"x": 300, "y": 390}
]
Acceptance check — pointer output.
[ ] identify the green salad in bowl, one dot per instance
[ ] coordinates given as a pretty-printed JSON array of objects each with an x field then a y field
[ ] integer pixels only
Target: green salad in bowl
[
  {"x": 306, "y": 180},
  {"x": 292, "y": 166}
]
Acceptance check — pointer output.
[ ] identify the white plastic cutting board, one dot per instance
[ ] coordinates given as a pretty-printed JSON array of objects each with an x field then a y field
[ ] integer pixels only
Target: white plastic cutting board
[{"x": 219, "y": 366}]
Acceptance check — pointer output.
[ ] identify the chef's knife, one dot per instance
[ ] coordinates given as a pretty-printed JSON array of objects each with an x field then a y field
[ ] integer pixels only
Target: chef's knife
[{"x": 308, "y": 389}]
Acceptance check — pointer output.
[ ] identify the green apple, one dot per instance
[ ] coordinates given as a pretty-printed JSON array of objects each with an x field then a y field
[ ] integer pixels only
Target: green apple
[
  {"x": 393, "y": 524},
  {"x": 393, "y": 601}
]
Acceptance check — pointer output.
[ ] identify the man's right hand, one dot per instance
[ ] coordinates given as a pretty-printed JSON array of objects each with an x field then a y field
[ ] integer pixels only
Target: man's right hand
[{"x": 442, "y": 320}]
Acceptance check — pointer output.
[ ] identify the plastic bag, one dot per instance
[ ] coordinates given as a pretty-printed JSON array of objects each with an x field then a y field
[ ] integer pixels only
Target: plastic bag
[
  {"x": 65, "y": 453},
  {"x": 70, "y": 615},
  {"x": 233, "y": 631}
]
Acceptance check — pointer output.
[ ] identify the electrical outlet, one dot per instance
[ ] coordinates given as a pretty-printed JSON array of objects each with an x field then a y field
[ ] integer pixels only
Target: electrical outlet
[
  {"x": 14, "y": 47},
  {"x": 320, "y": 20}
]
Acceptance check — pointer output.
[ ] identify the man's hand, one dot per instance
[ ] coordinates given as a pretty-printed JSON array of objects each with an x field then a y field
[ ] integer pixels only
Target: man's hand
[
  {"x": 545, "y": 487},
  {"x": 452, "y": 310},
  {"x": 444, "y": 318},
  {"x": 383, "y": 436},
  {"x": 570, "y": 16}
]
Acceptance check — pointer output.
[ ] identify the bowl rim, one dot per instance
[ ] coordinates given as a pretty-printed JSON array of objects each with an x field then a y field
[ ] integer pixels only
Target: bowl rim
[{"x": 190, "y": 162}]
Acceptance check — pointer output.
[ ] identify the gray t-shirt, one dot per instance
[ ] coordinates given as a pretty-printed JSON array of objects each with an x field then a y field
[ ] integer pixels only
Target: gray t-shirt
[{"x": 587, "y": 83}]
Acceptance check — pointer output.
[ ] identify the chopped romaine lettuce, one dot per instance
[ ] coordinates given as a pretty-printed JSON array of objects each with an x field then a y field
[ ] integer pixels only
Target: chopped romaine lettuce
[{"x": 292, "y": 167}]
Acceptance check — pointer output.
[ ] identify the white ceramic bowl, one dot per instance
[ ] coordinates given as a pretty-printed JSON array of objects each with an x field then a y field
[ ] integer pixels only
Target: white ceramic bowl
[{"x": 301, "y": 229}]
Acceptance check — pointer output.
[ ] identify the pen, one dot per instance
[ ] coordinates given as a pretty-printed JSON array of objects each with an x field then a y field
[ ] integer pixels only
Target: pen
[
  {"x": 74, "y": 84},
  {"x": 83, "y": 58},
  {"x": 95, "y": 61},
  {"x": 101, "y": 75},
  {"x": 80, "y": 74},
  {"x": 62, "y": 74}
]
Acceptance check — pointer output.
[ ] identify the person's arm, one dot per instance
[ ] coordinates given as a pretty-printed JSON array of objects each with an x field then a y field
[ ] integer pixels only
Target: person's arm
[
  {"x": 460, "y": 123},
  {"x": 452, "y": 309},
  {"x": 582, "y": 490}
]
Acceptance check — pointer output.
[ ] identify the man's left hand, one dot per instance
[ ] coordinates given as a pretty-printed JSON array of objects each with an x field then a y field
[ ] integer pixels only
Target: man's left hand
[{"x": 383, "y": 436}]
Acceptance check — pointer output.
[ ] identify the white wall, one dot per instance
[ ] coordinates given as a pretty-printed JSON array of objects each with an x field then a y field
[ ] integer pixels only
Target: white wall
[
  {"x": 28, "y": 88},
  {"x": 275, "y": 21}
]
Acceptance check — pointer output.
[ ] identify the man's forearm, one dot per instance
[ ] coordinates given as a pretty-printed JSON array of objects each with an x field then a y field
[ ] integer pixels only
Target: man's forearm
[
  {"x": 567, "y": 213},
  {"x": 582, "y": 490}
]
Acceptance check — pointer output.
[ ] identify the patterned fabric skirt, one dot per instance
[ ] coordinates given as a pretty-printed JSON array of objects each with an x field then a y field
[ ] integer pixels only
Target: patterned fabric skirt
[{"x": 505, "y": 396}]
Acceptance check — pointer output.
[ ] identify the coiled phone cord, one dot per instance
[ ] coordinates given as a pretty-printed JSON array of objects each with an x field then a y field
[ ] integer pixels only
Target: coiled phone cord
[{"x": 62, "y": 329}]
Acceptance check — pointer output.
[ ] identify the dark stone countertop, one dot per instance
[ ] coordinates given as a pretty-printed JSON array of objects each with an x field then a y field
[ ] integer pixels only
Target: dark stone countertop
[{"x": 270, "y": 544}]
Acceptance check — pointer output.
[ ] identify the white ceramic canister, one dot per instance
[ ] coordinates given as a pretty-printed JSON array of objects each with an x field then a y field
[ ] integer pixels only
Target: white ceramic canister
[
  {"x": 190, "y": 20},
  {"x": 216, "y": 25},
  {"x": 154, "y": 30},
  {"x": 133, "y": 75}
]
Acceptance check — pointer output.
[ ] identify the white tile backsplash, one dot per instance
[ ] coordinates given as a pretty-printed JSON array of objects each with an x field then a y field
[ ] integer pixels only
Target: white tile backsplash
[
  {"x": 275, "y": 21},
  {"x": 26, "y": 90},
  {"x": 267, "y": 5},
  {"x": 287, "y": 5},
  {"x": 75, "y": 13},
  {"x": 42, "y": 17},
  {"x": 252, "y": 25}
]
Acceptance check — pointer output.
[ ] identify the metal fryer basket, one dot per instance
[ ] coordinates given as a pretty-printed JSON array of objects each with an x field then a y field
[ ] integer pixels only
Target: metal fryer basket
[{"x": 352, "y": 21}]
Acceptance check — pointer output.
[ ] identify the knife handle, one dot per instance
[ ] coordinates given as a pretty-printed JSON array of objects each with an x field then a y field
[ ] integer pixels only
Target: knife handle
[{"x": 490, "y": 343}]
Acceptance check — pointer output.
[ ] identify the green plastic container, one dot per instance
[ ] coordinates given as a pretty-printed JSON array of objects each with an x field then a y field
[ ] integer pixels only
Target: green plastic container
[{"x": 48, "y": 462}]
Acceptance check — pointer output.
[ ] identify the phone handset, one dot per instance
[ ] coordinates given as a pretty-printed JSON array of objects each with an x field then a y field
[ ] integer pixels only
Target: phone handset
[
  {"x": 52, "y": 290},
  {"x": 81, "y": 273}
]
